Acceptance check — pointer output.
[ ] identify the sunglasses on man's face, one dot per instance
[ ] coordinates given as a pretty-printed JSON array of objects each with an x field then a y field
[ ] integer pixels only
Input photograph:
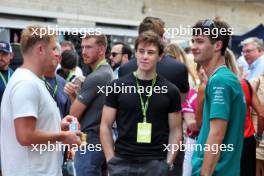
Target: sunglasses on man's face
[{"x": 114, "y": 54}]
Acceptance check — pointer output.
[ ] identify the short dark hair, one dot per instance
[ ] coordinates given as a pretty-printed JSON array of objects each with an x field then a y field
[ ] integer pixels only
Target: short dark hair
[
  {"x": 69, "y": 59},
  {"x": 152, "y": 23},
  {"x": 150, "y": 37},
  {"x": 212, "y": 29},
  {"x": 126, "y": 49}
]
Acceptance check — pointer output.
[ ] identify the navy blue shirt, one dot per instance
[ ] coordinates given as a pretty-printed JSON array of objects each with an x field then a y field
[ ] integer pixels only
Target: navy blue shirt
[
  {"x": 61, "y": 98},
  {"x": 2, "y": 84}
]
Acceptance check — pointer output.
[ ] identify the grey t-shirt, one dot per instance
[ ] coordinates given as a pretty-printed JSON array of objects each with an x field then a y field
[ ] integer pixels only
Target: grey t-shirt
[{"x": 93, "y": 98}]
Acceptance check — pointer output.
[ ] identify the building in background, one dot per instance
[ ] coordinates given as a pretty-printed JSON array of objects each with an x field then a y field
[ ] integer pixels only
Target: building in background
[{"x": 120, "y": 19}]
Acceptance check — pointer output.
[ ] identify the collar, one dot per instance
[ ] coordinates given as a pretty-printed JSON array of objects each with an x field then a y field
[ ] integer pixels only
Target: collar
[
  {"x": 255, "y": 63},
  {"x": 218, "y": 68}
]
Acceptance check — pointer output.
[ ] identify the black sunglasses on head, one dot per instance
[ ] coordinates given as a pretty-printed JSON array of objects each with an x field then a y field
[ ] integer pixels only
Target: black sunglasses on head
[{"x": 209, "y": 23}]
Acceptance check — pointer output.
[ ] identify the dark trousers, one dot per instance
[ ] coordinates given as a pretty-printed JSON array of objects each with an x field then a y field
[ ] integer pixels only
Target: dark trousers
[
  {"x": 248, "y": 157},
  {"x": 118, "y": 166},
  {"x": 178, "y": 164}
]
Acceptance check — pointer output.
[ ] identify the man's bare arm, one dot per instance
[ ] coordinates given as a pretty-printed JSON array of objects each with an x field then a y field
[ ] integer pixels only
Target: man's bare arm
[
  {"x": 70, "y": 89},
  {"x": 175, "y": 136},
  {"x": 27, "y": 133},
  {"x": 108, "y": 118},
  {"x": 216, "y": 135},
  {"x": 77, "y": 109}
]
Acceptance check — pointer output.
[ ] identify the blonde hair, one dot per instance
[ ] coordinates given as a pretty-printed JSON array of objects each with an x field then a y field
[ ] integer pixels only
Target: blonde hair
[
  {"x": 175, "y": 51},
  {"x": 230, "y": 62},
  {"x": 34, "y": 34}
]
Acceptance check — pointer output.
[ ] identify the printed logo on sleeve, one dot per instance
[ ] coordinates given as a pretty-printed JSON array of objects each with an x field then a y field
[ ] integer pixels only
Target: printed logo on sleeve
[{"x": 218, "y": 95}]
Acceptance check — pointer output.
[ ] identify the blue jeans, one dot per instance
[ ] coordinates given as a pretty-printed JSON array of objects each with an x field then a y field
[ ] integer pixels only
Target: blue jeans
[{"x": 89, "y": 163}]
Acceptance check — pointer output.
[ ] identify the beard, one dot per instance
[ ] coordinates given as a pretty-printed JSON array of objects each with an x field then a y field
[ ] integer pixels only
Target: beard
[{"x": 116, "y": 65}]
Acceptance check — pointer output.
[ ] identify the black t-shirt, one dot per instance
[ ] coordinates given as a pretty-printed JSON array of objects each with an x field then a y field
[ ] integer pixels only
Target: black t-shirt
[
  {"x": 91, "y": 96},
  {"x": 129, "y": 114},
  {"x": 168, "y": 67}
]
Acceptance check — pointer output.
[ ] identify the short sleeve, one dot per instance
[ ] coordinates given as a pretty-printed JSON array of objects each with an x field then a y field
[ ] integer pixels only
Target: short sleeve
[
  {"x": 92, "y": 87},
  {"x": 184, "y": 86},
  {"x": 25, "y": 97},
  {"x": 220, "y": 95},
  {"x": 111, "y": 98}
]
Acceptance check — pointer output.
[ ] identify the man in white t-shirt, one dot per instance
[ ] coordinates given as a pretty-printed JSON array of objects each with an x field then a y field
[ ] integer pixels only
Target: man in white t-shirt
[{"x": 30, "y": 120}]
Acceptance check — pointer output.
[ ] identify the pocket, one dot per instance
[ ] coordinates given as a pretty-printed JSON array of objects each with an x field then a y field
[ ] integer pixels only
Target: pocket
[
  {"x": 164, "y": 168},
  {"x": 111, "y": 166},
  {"x": 167, "y": 166},
  {"x": 111, "y": 160},
  {"x": 68, "y": 168}
]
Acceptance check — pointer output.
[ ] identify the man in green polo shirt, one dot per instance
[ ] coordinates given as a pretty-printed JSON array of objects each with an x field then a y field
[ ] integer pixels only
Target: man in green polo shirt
[{"x": 221, "y": 135}]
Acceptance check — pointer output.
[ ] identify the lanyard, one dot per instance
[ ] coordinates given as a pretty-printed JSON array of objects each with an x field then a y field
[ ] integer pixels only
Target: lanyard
[
  {"x": 8, "y": 77},
  {"x": 69, "y": 76},
  {"x": 144, "y": 106},
  {"x": 102, "y": 62},
  {"x": 53, "y": 91}
]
